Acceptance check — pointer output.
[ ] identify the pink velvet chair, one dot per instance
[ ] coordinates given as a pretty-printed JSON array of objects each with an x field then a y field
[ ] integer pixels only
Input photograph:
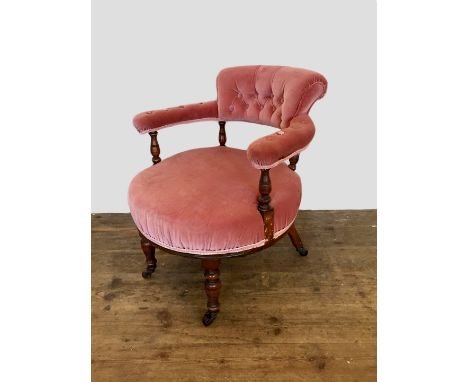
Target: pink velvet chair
[{"x": 218, "y": 202}]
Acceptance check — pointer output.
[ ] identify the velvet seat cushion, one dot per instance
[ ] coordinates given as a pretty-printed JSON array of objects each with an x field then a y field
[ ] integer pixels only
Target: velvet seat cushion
[{"x": 204, "y": 201}]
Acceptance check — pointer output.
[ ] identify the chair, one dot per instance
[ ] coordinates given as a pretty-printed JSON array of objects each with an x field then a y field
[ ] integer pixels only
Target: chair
[{"x": 219, "y": 202}]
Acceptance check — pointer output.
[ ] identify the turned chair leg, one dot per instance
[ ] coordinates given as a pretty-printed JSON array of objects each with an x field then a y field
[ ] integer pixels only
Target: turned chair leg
[
  {"x": 212, "y": 288},
  {"x": 149, "y": 251},
  {"x": 296, "y": 240}
]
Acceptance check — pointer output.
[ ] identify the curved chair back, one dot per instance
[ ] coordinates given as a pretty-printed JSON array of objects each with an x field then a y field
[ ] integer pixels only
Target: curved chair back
[{"x": 268, "y": 95}]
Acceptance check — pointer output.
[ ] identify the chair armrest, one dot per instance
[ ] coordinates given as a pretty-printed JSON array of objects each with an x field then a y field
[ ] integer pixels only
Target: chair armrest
[
  {"x": 158, "y": 119},
  {"x": 271, "y": 150}
]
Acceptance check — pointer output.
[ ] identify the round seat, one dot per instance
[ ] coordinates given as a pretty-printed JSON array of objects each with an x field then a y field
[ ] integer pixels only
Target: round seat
[{"x": 204, "y": 201}]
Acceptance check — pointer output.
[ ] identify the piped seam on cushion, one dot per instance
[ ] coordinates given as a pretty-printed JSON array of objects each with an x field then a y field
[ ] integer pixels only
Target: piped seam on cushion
[
  {"x": 218, "y": 252},
  {"x": 265, "y": 167},
  {"x": 178, "y": 123}
]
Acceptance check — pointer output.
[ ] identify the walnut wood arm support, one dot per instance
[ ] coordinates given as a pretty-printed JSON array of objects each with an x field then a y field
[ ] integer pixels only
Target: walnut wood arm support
[
  {"x": 154, "y": 147},
  {"x": 222, "y": 133},
  {"x": 271, "y": 150},
  {"x": 263, "y": 206},
  {"x": 293, "y": 162}
]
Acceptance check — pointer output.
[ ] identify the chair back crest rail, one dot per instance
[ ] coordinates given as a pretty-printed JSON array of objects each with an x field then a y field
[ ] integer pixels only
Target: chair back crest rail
[{"x": 269, "y": 95}]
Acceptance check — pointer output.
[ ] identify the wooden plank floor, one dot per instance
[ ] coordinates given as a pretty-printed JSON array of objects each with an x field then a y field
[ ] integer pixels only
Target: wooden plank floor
[{"x": 283, "y": 317}]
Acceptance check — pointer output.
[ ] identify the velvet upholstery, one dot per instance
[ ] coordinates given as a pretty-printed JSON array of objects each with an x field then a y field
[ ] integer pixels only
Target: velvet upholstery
[
  {"x": 273, "y": 149},
  {"x": 269, "y": 95},
  {"x": 277, "y": 96},
  {"x": 204, "y": 201},
  {"x": 154, "y": 120}
]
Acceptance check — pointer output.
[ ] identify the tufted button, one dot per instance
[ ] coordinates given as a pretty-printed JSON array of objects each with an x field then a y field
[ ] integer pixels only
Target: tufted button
[
  {"x": 261, "y": 106},
  {"x": 239, "y": 95},
  {"x": 231, "y": 108},
  {"x": 149, "y": 112}
]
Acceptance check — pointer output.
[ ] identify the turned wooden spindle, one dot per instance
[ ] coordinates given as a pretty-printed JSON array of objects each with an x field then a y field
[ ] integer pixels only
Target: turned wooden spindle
[
  {"x": 264, "y": 186},
  {"x": 154, "y": 147},
  {"x": 212, "y": 289},
  {"x": 264, "y": 204},
  {"x": 222, "y": 133},
  {"x": 293, "y": 161},
  {"x": 149, "y": 251}
]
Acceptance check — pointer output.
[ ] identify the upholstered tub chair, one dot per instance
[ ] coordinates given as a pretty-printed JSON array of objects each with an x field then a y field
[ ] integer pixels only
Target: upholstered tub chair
[{"x": 219, "y": 202}]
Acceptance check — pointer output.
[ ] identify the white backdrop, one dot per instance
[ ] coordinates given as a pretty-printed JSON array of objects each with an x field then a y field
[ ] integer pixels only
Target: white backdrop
[{"x": 149, "y": 55}]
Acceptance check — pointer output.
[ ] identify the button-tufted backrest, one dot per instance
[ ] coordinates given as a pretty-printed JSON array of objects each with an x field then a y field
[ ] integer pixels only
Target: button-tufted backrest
[{"x": 269, "y": 95}]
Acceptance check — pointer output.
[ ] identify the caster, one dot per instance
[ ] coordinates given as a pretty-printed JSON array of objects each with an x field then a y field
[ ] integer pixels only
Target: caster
[
  {"x": 302, "y": 251},
  {"x": 148, "y": 272},
  {"x": 209, "y": 317}
]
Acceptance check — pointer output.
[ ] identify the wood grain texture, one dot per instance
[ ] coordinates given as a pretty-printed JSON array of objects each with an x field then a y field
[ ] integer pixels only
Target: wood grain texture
[
  {"x": 222, "y": 133},
  {"x": 149, "y": 250},
  {"x": 263, "y": 204},
  {"x": 212, "y": 283},
  {"x": 284, "y": 317},
  {"x": 154, "y": 148},
  {"x": 296, "y": 241},
  {"x": 293, "y": 162}
]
